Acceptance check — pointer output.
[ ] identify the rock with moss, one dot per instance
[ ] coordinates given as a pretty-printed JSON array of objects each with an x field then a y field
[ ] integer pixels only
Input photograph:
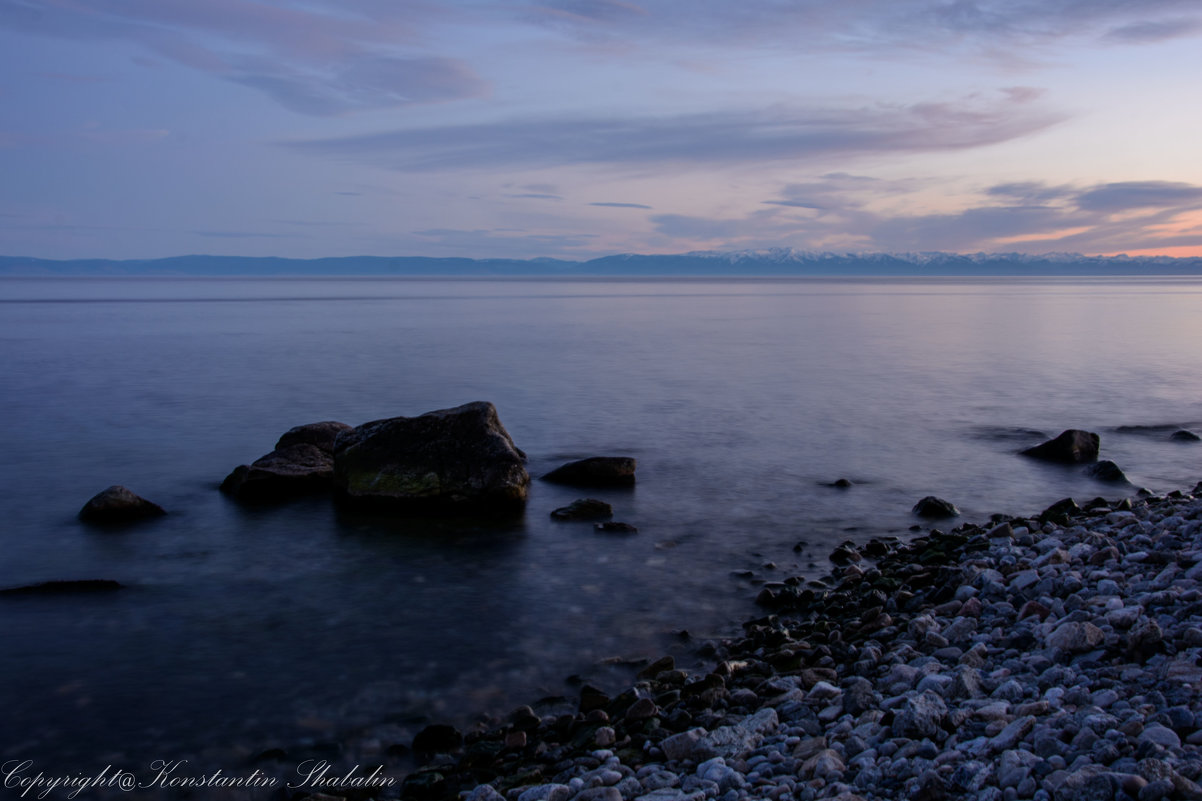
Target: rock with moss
[{"x": 459, "y": 460}]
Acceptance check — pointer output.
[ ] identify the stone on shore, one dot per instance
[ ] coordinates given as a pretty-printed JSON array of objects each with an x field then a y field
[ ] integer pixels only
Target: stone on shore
[
  {"x": 596, "y": 471},
  {"x": 1071, "y": 447},
  {"x": 933, "y": 507},
  {"x": 445, "y": 461},
  {"x": 118, "y": 504}
]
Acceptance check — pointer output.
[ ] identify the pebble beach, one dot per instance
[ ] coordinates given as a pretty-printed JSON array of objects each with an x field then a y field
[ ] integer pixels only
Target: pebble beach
[{"x": 1049, "y": 657}]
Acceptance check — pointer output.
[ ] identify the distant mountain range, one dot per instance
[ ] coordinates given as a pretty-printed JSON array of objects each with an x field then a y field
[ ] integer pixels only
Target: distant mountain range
[{"x": 776, "y": 262}]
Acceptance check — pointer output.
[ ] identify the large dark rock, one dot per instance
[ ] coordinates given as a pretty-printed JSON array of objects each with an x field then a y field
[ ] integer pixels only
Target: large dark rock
[
  {"x": 450, "y": 460},
  {"x": 1071, "y": 447},
  {"x": 597, "y": 471},
  {"x": 933, "y": 507},
  {"x": 1184, "y": 435},
  {"x": 118, "y": 505},
  {"x": 301, "y": 464}
]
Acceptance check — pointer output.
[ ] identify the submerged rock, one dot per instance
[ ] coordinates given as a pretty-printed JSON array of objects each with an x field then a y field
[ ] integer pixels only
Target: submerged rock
[
  {"x": 1071, "y": 447},
  {"x": 70, "y": 587},
  {"x": 931, "y": 506},
  {"x": 597, "y": 471},
  {"x": 449, "y": 460},
  {"x": 616, "y": 528},
  {"x": 584, "y": 509},
  {"x": 118, "y": 505}
]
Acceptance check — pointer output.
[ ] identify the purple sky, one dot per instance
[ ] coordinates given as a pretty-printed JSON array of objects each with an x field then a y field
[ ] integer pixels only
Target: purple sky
[{"x": 578, "y": 128}]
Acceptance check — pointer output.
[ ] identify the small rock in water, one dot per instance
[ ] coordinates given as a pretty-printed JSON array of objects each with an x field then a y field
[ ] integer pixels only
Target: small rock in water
[
  {"x": 1107, "y": 471},
  {"x": 1184, "y": 435},
  {"x": 437, "y": 738},
  {"x": 118, "y": 505},
  {"x": 583, "y": 509},
  {"x": 1071, "y": 447},
  {"x": 597, "y": 471},
  {"x": 933, "y": 507},
  {"x": 842, "y": 483}
]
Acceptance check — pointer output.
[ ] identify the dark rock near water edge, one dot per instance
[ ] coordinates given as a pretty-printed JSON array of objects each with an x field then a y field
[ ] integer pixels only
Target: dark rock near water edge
[
  {"x": 1184, "y": 435},
  {"x": 842, "y": 483},
  {"x": 450, "y": 460},
  {"x": 118, "y": 505},
  {"x": 65, "y": 587},
  {"x": 584, "y": 509},
  {"x": 597, "y": 471},
  {"x": 291, "y": 471},
  {"x": 933, "y": 507},
  {"x": 301, "y": 464},
  {"x": 1071, "y": 447},
  {"x": 1060, "y": 511},
  {"x": 1107, "y": 471}
]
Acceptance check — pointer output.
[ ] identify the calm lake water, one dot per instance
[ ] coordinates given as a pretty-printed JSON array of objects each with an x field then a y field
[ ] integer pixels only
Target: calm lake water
[{"x": 740, "y": 399}]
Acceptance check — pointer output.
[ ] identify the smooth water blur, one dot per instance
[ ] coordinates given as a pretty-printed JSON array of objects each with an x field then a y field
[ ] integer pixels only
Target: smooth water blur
[{"x": 741, "y": 400}]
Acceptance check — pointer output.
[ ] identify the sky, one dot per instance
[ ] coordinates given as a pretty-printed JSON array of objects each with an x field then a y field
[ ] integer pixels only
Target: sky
[{"x": 580, "y": 128}]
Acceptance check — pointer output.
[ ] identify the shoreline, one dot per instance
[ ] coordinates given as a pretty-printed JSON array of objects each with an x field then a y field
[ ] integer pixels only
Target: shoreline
[
  {"x": 1053, "y": 656},
  {"x": 1049, "y": 657}
]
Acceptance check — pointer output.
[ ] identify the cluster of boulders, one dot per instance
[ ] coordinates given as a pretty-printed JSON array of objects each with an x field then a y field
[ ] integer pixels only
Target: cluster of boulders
[
  {"x": 459, "y": 459},
  {"x": 1054, "y": 657},
  {"x": 1073, "y": 446}
]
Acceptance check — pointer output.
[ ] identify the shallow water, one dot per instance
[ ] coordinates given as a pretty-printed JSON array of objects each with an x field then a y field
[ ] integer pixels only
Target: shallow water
[{"x": 741, "y": 400}]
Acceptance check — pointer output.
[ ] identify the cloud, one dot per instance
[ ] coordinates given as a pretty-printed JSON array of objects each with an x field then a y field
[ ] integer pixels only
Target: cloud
[
  {"x": 243, "y": 235},
  {"x": 1029, "y": 191},
  {"x": 1129, "y": 195},
  {"x": 621, "y": 205},
  {"x": 503, "y": 243},
  {"x": 1152, "y": 31},
  {"x": 535, "y": 196},
  {"x": 716, "y": 138},
  {"x": 311, "y": 59},
  {"x": 993, "y": 27},
  {"x": 839, "y": 191},
  {"x": 1026, "y": 216}
]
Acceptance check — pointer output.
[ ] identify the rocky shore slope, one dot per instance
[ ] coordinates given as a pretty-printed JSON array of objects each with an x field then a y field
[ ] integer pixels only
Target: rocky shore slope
[{"x": 1051, "y": 657}]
